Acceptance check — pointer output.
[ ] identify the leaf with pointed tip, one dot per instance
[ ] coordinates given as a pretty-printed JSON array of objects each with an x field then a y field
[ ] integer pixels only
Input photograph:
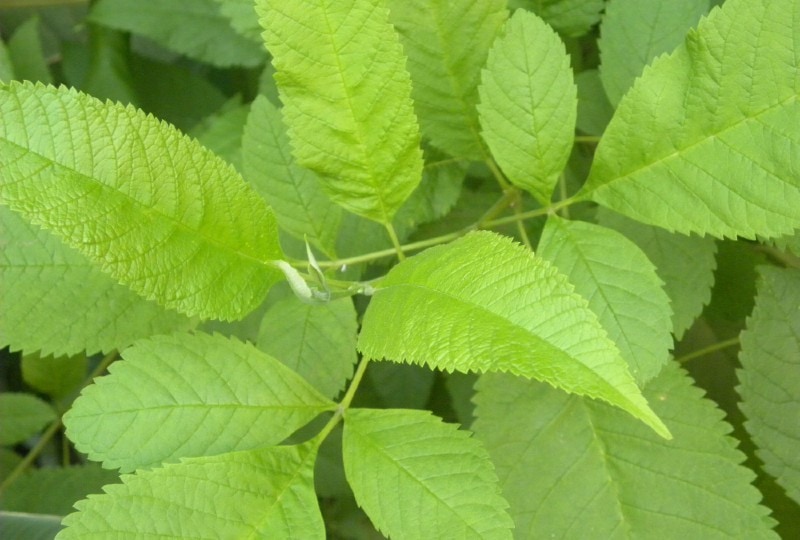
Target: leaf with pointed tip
[
  {"x": 189, "y": 395},
  {"x": 265, "y": 493},
  {"x": 484, "y": 303},
  {"x": 706, "y": 141},
  {"x": 622, "y": 288},
  {"x": 148, "y": 205},
  {"x": 53, "y": 300},
  {"x": 341, "y": 74},
  {"x": 770, "y": 375},
  {"x": 22, "y": 416},
  {"x": 573, "y": 468},
  {"x": 529, "y": 104},
  {"x": 636, "y": 31},
  {"x": 403, "y": 463},
  {"x": 447, "y": 42}
]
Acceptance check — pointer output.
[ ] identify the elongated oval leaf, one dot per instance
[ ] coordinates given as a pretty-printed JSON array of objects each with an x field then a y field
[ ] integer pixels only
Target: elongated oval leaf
[
  {"x": 53, "y": 300},
  {"x": 707, "y": 139},
  {"x": 447, "y": 42},
  {"x": 265, "y": 493},
  {"x": 622, "y": 288},
  {"x": 529, "y": 103},
  {"x": 189, "y": 395},
  {"x": 770, "y": 375},
  {"x": 347, "y": 99},
  {"x": 573, "y": 468},
  {"x": 636, "y": 31},
  {"x": 417, "y": 477},
  {"x": 146, "y": 204},
  {"x": 484, "y": 303}
]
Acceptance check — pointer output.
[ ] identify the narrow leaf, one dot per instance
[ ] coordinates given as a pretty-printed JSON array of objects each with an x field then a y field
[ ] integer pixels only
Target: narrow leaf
[
  {"x": 317, "y": 341},
  {"x": 266, "y": 493},
  {"x": 22, "y": 416},
  {"x": 189, "y": 395},
  {"x": 572, "y": 468},
  {"x": 347, "y": 99},
  {"x": 636, "y": 31},
  {"x": 770, "y": 375},
  {"x": 484, "y": 303},
  {"x": 148, "y": 205},
  {"x": 706, "y": 141},
  {"x": 529, "y": 104},
  {"x": 447, "y": 42},
  {"x": 417, "y": 477},
  {"x": 622, "y": 288},
  {"x": 195, "y": 28},
  {"x": 294, "y": 192},
  {"x": 53, "y": 300}
]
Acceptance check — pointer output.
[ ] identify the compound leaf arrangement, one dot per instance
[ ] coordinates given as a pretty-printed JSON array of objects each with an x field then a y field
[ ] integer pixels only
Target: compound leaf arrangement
[{"x": 245, "y": 242}]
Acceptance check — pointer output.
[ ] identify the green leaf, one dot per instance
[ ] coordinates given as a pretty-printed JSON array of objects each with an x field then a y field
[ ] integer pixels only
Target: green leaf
[
  {"x": 295, "y": 193},
  {"x": 150, "y": 206},
  {"x": 484, "y": 303},
  {"x": 221, "y": 132},
  {"x": 401, "y": 386},
  {"x": 53, "y": 300},
  {"x": 56, "y": 376},
  {"x": 594, "y": 110},
  {"x": 636, "y": 31},
  {"x": 572, "y": 468},
  {"x": 706, "y": 141},
  {"x": 318, "y": 341},
  {"x": 622, "y": 288},
  {"x": 55, "y": 490},
  {"x": 26, "y": 54},
  {"x": 770, "y": 375},
  {"x": 189, "y": 395},
  {"x": 29, "y": 526},
  {"x": 347, "y": 100},
  {"x": 529, "y": 104},
  {"x": 195, "y": 28},
  {"x": 6, "y": 67},
  {"x": 266, "y": 493},
  {"x": 570, "y": 17},
  {"x": 447, "y": 42},
  {"x": 417, "y": 477},
  {"x": 242, "y": 16},
  {"x": 684, "y": 263},
  {"x": 22, "y": 416}
]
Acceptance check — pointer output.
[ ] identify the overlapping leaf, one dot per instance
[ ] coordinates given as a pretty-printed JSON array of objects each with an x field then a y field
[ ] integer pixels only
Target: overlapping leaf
[
  {"x": 572, "y": 468},
  {"x": 636, "y": 31},
  {"x": 266, "y": 493},
  {"x": 294, "y": 192},
  {"x": 417, "y": 477},
  {"x": 189, "y": 395},
  {"x": 146, "y": 204},
  {"x": 22, "y": 416},
  {"x": 529, "y": 104},
  {"x": 707, "y": 141},
  {"x": 447, "y": 42},
  {"x": 770, "y": 375},
  {"x": 483, "y": 304},
  {"x": 622, "y": 288},
  {"x": 347, "y": 99},
  {"x": 685, "y": 264},
  {"x": 570, "y": 17},
  {"x": 54, "y": 300},
  {"x": 195, "y": 28}
]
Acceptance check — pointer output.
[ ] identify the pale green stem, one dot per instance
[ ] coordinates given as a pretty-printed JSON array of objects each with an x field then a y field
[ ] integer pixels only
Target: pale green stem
[
  {"x": 589, "y": 139},
  {"x": 346, "y": 400},
  {"x": 52, "y": 429},
  {"x": 395, "y": 241},
  {"x": 708, "y": 350},
  {"x": 498, "y": 175}
]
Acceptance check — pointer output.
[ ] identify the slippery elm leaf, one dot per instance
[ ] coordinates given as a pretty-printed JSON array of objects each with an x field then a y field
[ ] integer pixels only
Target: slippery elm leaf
[
  {"x": 341, "y": 75},
  {"x": 146, "y": 204},
  {"x": 621, "y": 286},
  {"x": 447, "y": 42},
  {"x": 484, "y": 303},
  {"x": 574, "y": 468},
  {"x": 706, "y": 141},
  {"x": 528, "y": 104},
  {"x": 22, "y": 416},
  {"x": 770, "y": 375},
  {"x": 189, "y": 395},
  {"x": 417, "y": 477},
  {"x": 264, "y": 493}
]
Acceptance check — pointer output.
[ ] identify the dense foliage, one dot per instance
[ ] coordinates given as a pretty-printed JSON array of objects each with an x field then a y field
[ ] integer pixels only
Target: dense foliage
[{"x": 404, "y": 268}]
